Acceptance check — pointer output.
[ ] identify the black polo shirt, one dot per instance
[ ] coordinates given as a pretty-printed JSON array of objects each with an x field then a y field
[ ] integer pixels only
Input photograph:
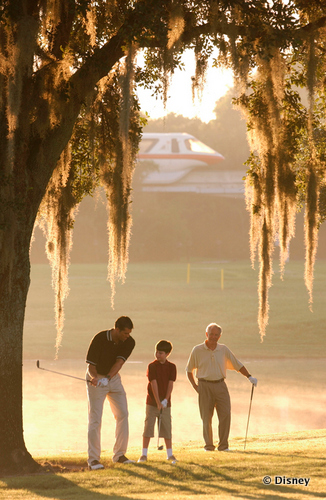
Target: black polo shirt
[{"x": 103, "y": 352}]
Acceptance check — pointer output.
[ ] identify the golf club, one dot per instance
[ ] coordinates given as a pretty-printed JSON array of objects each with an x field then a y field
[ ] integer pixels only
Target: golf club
[
  {"x": 59, "y": 373},
  {"x": 158, "y": 433},
  {"x": 252, "y": 392}
]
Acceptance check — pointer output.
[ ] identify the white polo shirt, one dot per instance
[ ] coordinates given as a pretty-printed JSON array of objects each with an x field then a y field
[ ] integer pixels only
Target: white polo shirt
[{"x": 212, "y": 365}]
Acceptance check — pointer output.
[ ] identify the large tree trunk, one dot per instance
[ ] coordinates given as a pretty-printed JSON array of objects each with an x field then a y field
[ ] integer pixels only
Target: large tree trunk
[
  {"x": 20, "y": 196},
  {"x": 14, "y": 285}
]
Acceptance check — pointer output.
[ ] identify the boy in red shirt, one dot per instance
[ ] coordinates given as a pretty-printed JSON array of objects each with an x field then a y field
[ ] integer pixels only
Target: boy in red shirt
[{"x": 161, "y": 375}]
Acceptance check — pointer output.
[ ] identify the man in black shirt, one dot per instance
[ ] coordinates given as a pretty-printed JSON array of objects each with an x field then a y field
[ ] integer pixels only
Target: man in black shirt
[{"x": 106, "y": 355}]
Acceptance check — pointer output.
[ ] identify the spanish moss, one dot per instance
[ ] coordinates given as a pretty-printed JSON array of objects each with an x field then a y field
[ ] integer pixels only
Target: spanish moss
[
  {"x": 311, "y": 212},
  {"x": 56, "y": 220}
]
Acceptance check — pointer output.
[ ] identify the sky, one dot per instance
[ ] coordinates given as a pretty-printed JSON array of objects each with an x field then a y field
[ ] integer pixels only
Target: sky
[{"x": 218, "y": 82}]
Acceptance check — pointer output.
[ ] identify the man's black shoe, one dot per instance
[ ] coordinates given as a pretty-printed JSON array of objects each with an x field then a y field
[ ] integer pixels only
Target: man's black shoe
[
  {"x": 95, "y": 465},
  {"x": 124, "y": 460}
]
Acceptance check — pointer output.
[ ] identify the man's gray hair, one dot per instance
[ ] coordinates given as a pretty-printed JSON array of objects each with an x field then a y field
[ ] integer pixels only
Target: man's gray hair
[{"x": 209, "y": 327}]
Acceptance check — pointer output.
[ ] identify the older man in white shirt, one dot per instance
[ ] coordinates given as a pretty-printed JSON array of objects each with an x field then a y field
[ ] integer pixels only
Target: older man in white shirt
[{"x": 211, "y": 360}]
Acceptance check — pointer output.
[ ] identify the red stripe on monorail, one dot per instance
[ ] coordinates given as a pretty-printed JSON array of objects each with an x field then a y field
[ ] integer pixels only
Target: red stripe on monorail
[{"x": 206, "y": 158}]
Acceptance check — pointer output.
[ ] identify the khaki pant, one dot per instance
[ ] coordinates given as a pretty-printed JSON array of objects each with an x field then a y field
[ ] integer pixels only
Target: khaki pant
[
  {"x": 153, "y": 414},
  {"x": 115, "y": 394},
  {"x": 215, "y": 395}
]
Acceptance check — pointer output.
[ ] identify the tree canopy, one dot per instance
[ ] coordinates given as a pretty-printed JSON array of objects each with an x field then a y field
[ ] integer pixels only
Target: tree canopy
[{"x": 69, "y": 119}]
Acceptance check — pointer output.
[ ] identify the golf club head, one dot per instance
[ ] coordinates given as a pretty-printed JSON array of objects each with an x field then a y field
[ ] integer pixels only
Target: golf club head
[
  {"x": 38, "y": 363},
  {"x": 160, "y": 447}
]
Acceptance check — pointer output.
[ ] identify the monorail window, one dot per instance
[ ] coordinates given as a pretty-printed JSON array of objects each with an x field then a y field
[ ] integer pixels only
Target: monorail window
[
  {"x": 198, "y": 146},
  {"x": 146, "y": 145},
  {"x": 175, "y": 146}
]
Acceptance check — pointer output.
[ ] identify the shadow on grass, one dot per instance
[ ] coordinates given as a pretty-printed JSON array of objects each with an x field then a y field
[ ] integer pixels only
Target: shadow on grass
[
  {"x": 58, "y": 487},
  {"x": 260, "y": 490},
  {"x": 177, "y": 477},
  {"x": 149, "y": 478},
  {"x": 154, "y": 479}
]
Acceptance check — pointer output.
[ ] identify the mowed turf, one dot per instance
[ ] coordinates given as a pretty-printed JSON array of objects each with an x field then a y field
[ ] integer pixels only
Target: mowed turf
[
  {"x": 163, "y": 304},
  {"x": 283, "y": 460}
]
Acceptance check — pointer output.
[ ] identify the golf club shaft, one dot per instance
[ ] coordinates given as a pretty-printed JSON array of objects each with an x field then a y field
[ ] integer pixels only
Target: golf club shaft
[
  {"x": 252, "y": 392},
  {"x": 159, "y": 429},
  {"x": 59, "y": 373}
]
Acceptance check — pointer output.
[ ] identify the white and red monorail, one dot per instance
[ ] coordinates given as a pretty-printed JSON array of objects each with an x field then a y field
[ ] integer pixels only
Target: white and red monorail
[
  {"x": 177, "y": 150},
  {"x": 182, "y": 163}
]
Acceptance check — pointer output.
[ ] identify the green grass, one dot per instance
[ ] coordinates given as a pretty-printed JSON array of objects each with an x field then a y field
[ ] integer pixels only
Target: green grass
[
  {"x": 163, "y": 305},
  {"x": 198, "y": 474}
]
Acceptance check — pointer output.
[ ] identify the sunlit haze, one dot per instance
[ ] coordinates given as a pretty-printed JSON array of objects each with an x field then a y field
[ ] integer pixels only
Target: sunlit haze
[
  {"x": 65, "y": 412},
  {"x": 179, "y": 101}
]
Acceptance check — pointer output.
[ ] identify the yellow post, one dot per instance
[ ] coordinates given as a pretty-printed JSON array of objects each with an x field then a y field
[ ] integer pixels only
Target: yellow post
[
  {"x": 188, "y": 274},
  {"x": 222, "y": 279}
]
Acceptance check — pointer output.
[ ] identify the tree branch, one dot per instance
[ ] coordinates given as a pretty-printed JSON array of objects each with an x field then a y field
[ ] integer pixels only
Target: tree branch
[
  {"x": 61, "y": 33},
  {"x": 315, "y": 25},
  {"x": 98, "y": 65}
]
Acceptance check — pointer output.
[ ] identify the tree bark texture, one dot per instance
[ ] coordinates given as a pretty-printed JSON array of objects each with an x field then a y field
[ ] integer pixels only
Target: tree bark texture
[{"x": 14, "y": 458}]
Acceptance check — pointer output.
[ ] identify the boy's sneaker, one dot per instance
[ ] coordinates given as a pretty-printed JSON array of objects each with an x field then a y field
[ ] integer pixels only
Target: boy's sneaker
[
  {"x": 95, "y": 465},
  {"x": 143, "y": 458},
  {"x": 172, "y": 459},
  {"x": 124, "y": 460}
]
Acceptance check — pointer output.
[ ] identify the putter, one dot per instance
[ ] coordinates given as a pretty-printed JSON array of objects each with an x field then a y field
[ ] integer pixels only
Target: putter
[
  {"x": 252, "y": 392},
  {"x": 158, "y": 432},
  {"x": 59, "y": 373}
]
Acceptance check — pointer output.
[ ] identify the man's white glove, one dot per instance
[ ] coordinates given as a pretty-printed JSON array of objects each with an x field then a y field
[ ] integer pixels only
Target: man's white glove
[
  {"x": 103, "y": 382},
  {"x": 164, "y": 403},
  {"x": 253, "y": 380}
]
